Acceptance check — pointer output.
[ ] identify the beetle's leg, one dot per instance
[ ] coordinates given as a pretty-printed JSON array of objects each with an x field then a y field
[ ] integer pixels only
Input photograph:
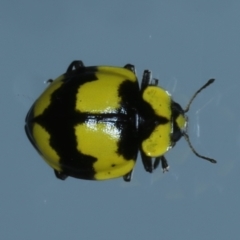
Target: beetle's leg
[
  {"x": 130, "y": 67},
  {"x": 128, "y": 176},
  {"x": 165, "y": 166},
  {"x": 156, "y": 162},
  {"x": 60, "y": 175},
  {"x": 146, "y": 80},
  {"x": 154, "y": 82},
  {"x": 49, "y": 81},
  {"x": 164, "y": 163},
  {"x": 74, "y": 65},
  {"x": 147, "y": 162}
]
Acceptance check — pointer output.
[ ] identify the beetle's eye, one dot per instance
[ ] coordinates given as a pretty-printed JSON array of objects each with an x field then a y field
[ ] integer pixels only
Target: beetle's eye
[
  {"x": 176, "y": 108},
  {"x": 176, "y": 135}
]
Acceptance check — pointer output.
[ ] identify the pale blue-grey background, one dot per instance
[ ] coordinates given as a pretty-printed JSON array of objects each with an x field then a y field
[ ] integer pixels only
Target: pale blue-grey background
[{"x": 184, "y": 43}]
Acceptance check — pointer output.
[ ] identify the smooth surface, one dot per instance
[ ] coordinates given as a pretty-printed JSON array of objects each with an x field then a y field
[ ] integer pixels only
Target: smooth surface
[{"x": 184, "y": 43}]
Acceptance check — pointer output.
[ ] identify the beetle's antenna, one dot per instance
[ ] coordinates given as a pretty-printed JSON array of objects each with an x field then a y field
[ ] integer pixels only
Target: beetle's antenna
[
  {"x": 194, "y": 151},
  {"x": 210, "y": 81}
]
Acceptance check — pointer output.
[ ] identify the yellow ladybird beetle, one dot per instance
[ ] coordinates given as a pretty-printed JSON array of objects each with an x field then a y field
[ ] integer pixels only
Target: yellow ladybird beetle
[{"x": 91, "y": 122}]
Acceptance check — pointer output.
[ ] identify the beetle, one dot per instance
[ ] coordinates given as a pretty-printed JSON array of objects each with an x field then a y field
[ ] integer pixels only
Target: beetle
[{"x": 91, "y": 122}]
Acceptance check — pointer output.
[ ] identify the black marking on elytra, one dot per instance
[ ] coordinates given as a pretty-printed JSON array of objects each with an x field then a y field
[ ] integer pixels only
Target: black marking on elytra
[
  {"x": 129, "y": 94},
  {"x": 59, "y": 119}
]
